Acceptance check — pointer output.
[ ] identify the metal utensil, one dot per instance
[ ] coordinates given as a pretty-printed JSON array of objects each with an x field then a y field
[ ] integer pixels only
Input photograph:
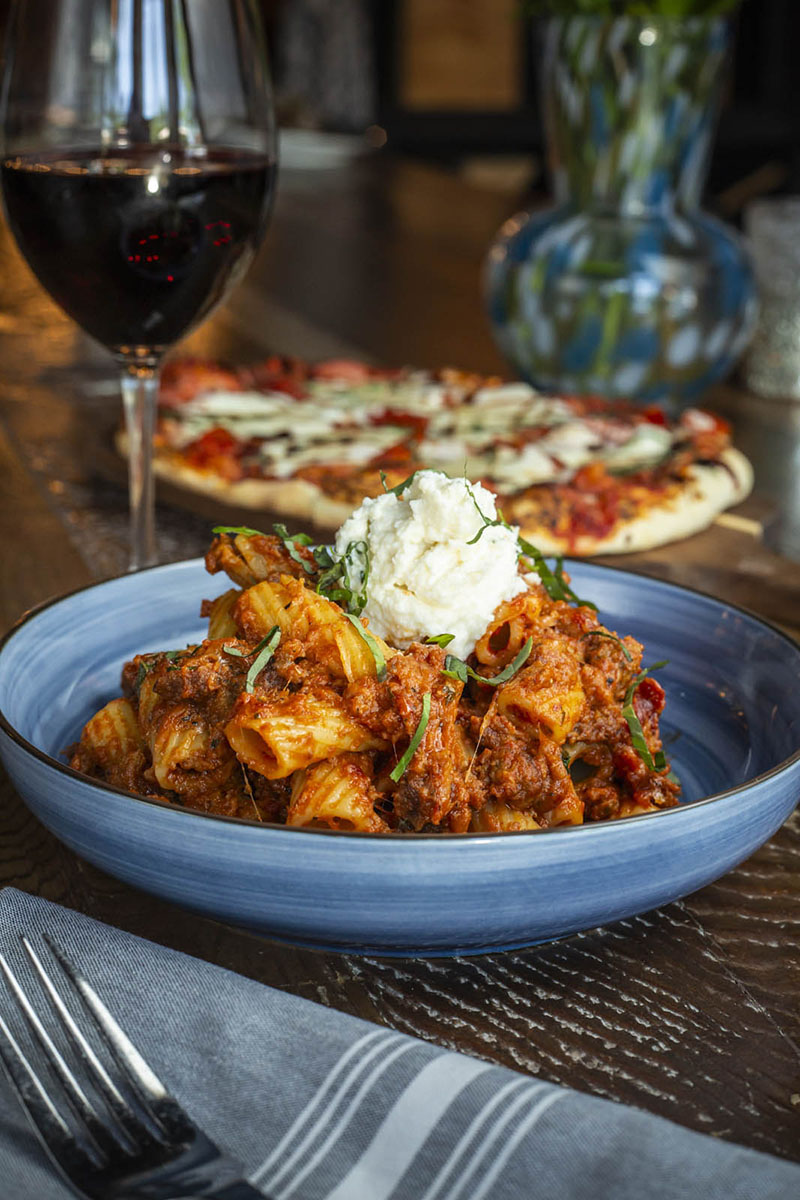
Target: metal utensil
[{"x": 114, "y": 1130}]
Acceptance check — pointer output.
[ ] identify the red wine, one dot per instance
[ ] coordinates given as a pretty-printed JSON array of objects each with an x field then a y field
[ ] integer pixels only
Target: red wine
[{"x": 138, "y": 246}]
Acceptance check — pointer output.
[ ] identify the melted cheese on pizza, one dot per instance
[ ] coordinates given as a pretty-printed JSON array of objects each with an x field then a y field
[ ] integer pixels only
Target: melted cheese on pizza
[{"x": 508, "y": 435}]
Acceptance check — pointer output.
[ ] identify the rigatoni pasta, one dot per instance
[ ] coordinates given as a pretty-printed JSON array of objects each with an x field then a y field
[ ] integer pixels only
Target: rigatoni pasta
[{"x": 293, "y": 711}]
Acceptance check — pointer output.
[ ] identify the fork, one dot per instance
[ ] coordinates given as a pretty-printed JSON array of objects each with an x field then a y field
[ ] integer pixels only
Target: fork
[{"x": 137, "y": 1142}]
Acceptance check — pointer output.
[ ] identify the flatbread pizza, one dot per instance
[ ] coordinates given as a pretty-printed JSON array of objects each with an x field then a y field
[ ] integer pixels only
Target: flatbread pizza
[{"x": 581, "y": 476}]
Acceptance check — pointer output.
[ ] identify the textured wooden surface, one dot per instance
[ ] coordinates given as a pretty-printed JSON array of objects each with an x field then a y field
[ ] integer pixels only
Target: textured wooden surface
[{"x": 691, "y": 1011}]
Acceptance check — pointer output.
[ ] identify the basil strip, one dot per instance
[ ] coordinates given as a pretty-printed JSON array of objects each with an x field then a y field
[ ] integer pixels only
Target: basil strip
[
  {"x": 401, "y": 487},
  {"x": 456, "y": 668},
  {"x": 263, "y": 652},
  {"x": 655, "y": 762},
  {"x": 235, "y": 652},
  {"x": 552, "y": 580},
  {"x": 612, "y": 637},
  {"x": 323, "y": 557},
  {"x": 289, "y": 540},
  {"x": 397, "y": 774},
  {"x": 355, "y": 558},
  {"x": 353, "y": 552},
  {"x": 509, "y": 671},
  {"x": 374, "y": 648},
  {"x": 242, "y": 529},
  {"x": 441, "y": 639},
  {"x": 141, "y": 675}
]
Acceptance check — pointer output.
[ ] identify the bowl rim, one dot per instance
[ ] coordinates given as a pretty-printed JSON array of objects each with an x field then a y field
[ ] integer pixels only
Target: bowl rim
[{"x": 596, "y": 827}]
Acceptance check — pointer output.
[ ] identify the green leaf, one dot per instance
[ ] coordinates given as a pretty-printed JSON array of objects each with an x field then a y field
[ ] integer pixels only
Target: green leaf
[
  {"x": 441, "y": 639},
  {"x": 508, "y": 671},
  {"x": 401, "y": 487},
  {"x": 653, "y": 763},
  {"x": 553, "y": 580},
  {"x": 397, "y": 774},
  {"x": 456, "y": 668},
  {"x": 342, "y": 571},
  {"x": 238, "y": 529},
  {"x": 323, "y": 557},
  {"x": 289, "y": 540},
  {"x": 144, "y": 670},
  {"x": 263, "y": 652},
  {"x": 612, "y": 637},
  {"x": 375, "y": 650}
]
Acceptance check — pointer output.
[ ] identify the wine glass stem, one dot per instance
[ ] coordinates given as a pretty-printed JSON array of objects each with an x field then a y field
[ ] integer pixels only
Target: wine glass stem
[{"x": 139, "y": 393}]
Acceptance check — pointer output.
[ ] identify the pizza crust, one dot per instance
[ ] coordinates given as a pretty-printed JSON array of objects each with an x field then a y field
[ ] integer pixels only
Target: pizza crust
[
  {"x": 709, "y": 489},
  {"x": 296, "y": 499}
]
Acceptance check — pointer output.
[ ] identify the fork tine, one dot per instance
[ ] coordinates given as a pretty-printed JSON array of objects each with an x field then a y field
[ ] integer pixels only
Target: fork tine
[
  {"x": 43, "y": 1114},
  {"x": 153, "y": 1096},
  {"x": 117, "y": 1102},
  {"x": 76, "y": 1096},
  {"x": 25, "y": 1079}
]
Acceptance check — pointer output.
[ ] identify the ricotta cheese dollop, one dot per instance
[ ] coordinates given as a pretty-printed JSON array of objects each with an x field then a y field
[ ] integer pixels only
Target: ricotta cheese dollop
[{"x": 427, "y": 575}]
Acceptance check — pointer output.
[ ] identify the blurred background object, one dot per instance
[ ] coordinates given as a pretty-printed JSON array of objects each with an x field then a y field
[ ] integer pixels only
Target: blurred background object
[
  {"x": 625, "y": 288},
  {"x": 757, "y": 147},
  {"x": 325, "y": 64},
  {"x": 772, "y": 367}
]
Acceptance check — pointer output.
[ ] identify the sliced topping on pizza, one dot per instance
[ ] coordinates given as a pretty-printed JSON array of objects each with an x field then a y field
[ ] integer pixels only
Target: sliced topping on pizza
[
  {"x": 507, "y": 434},
  {"x": 580, "y": 474}
]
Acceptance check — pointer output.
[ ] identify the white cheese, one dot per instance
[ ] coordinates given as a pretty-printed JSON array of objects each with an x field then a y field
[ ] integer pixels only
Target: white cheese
[
  {"x": 334, "y": 424},
  {"x": 427, "y": 575},
  {"x": 648, "y": 444}
]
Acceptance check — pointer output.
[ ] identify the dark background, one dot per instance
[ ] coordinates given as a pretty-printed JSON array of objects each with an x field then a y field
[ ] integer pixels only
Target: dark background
[
  {"x": 757, "y": 149},
  {"x": 759, "y": 128}
]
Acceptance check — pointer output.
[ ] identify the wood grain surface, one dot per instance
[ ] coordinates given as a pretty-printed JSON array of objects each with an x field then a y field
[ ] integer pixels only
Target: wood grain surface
[{"x": 690, "y": 1011}]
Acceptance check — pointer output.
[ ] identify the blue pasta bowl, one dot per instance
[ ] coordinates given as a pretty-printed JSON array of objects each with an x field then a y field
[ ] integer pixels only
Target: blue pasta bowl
[{"x": 731, "y": 730}]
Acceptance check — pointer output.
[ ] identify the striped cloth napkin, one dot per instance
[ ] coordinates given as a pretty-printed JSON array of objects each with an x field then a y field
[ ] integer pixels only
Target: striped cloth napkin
[{"x": 317, "y": 1105}]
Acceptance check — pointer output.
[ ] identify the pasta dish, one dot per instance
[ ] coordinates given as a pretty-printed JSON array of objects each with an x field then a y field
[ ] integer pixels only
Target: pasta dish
[{"x": 302, "y": 708}]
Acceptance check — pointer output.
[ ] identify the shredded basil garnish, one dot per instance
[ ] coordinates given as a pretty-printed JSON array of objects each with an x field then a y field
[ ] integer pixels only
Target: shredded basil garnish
[
  {"x": 612, "y": 637},
  {"x": 456, "y": 668},
  {"x": 374, "y": 648},
  {"x": 397, "y": 774},
  {"x": 658, "y": 761},
  {"x": 323, "y": 557},
  {"x": 401, "y": 487},
  {"x": 263, "y": 652},
  {"x": 441, "y": 639},
  {"x": 338, "y": 581},
  {"x": 552, "y": 579},
  {"x": 244, "y": 530},
  {"x": 290, "y": 542},
  {"x": 146, "y": 667},
  {"x": 141, "y": 675}
]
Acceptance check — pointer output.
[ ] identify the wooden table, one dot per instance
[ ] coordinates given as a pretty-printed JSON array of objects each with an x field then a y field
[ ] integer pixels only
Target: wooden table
[{"x": 691, "y": 1011}]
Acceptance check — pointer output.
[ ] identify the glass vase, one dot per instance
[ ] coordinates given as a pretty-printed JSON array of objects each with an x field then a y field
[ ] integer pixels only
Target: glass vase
[{"x": 625, "y": 288}]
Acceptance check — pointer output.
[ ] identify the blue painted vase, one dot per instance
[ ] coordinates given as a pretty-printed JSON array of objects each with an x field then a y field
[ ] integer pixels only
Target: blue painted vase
[{"x": 625, "y": 288}]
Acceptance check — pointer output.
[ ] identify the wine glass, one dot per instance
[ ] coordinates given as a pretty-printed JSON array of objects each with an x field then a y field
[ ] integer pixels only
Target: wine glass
[{"x": 138, "y": 166}]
